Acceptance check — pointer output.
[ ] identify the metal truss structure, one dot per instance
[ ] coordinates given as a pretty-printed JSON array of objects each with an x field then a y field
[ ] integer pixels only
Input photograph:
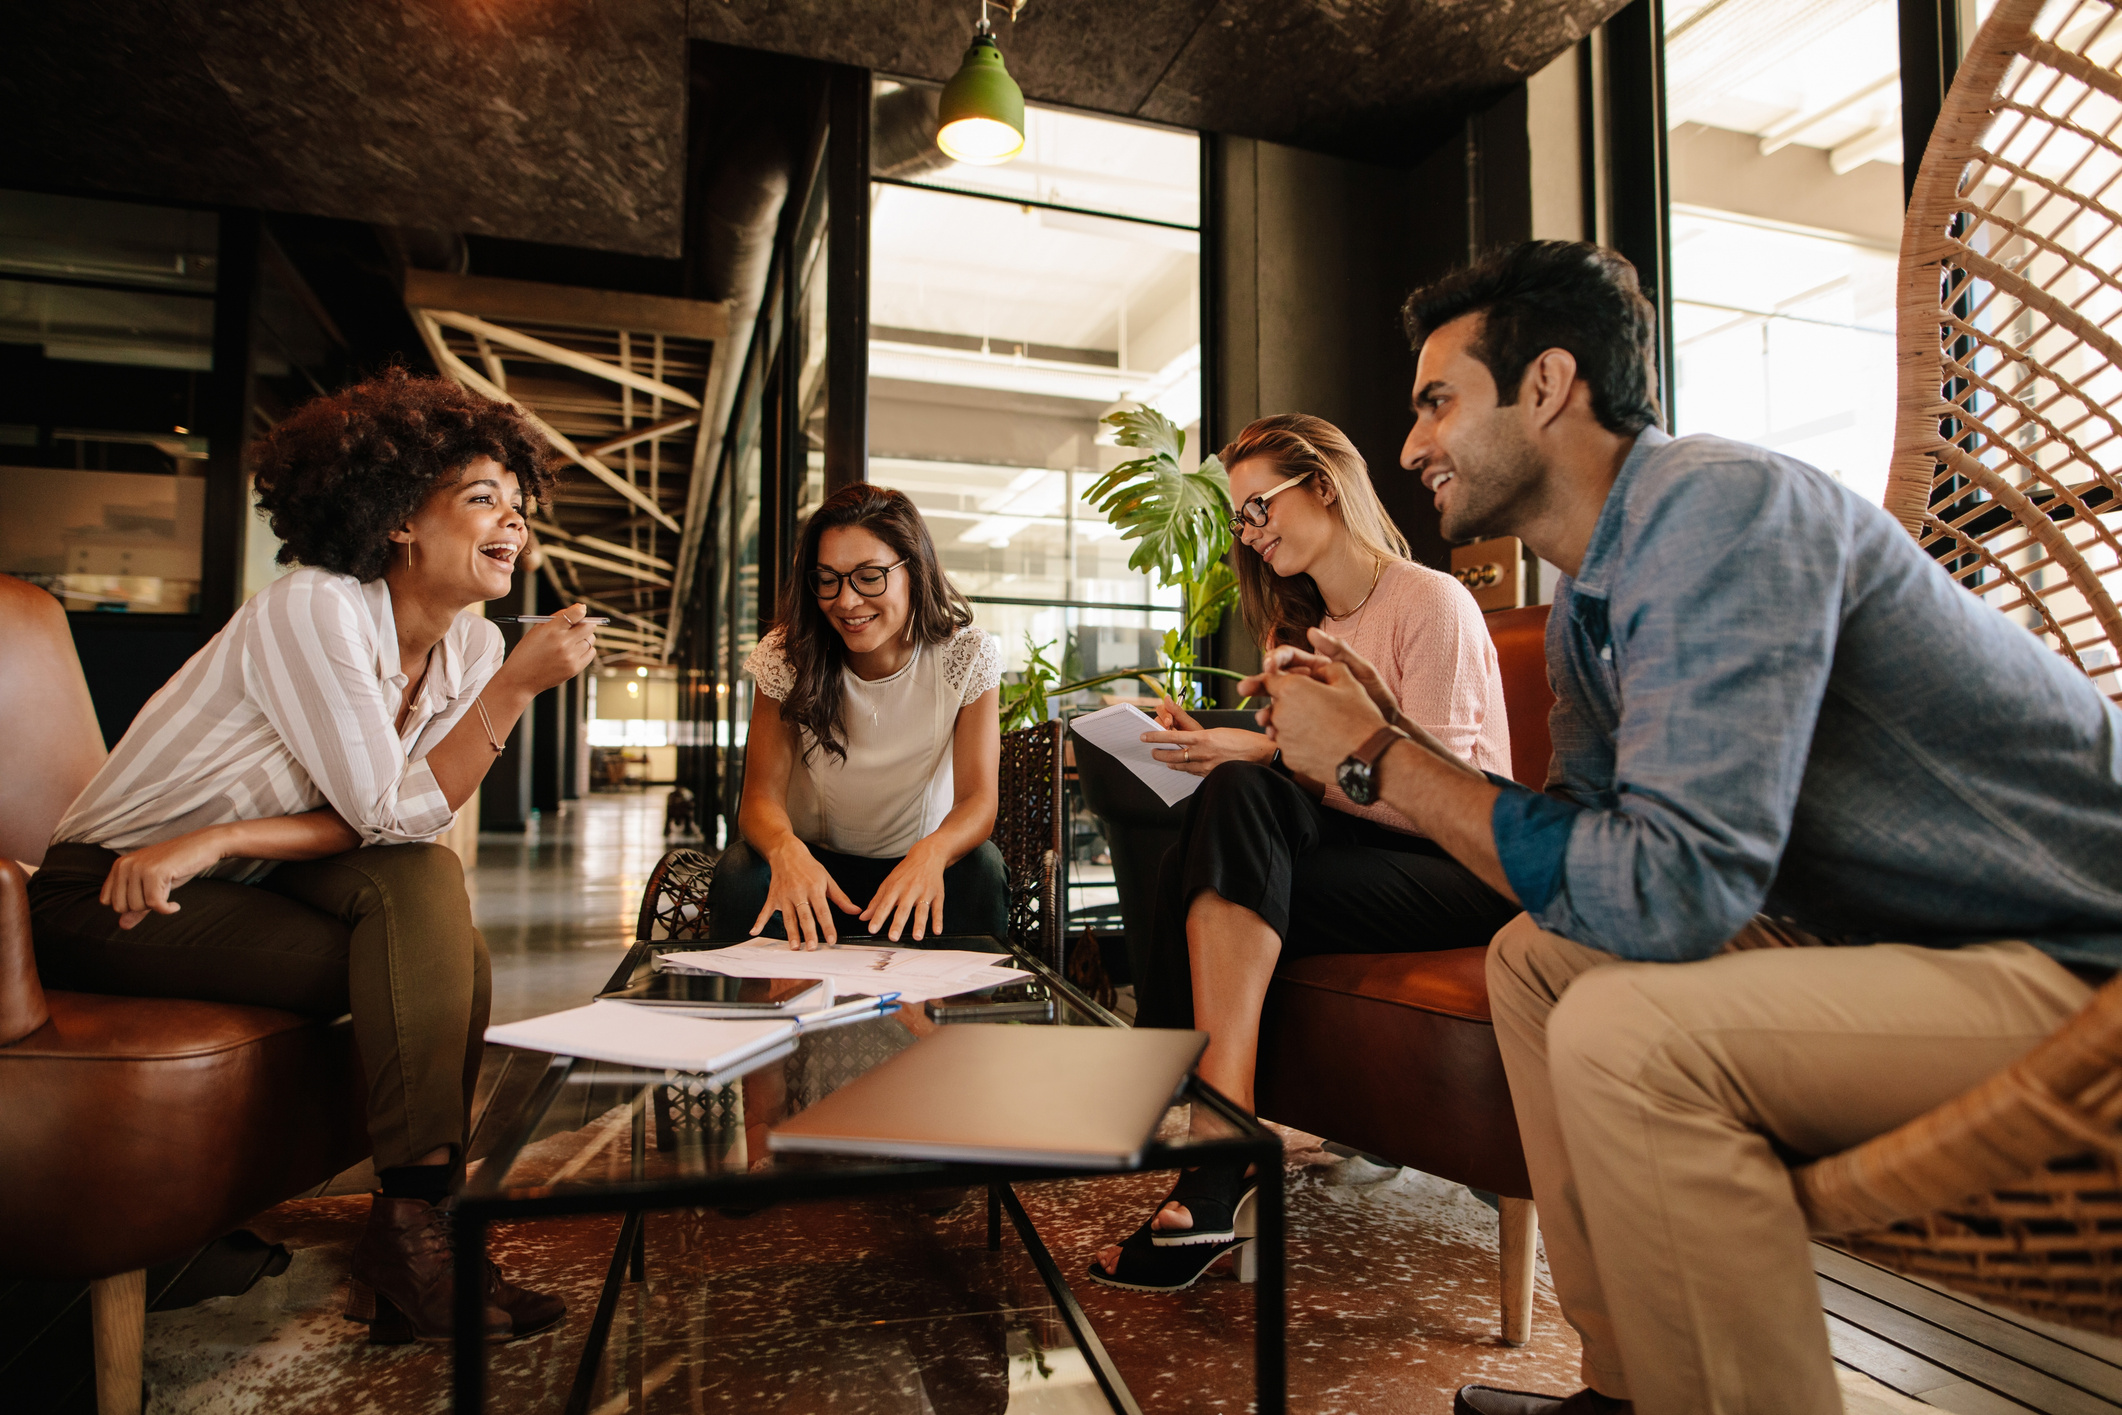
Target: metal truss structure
[{"x": 624, "y": 388}]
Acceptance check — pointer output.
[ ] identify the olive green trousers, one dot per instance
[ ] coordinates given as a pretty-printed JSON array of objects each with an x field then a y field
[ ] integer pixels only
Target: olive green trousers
[{"x": 384, "y": 932}]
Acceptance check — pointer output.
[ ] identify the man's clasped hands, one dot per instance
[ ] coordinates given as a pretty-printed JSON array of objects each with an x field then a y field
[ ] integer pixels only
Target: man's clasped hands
[{"x": 1326, "y": 702}]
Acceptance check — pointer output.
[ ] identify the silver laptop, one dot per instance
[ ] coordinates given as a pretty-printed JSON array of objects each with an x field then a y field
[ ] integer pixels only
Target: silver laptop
[{"x": 1080, "y": 1097}]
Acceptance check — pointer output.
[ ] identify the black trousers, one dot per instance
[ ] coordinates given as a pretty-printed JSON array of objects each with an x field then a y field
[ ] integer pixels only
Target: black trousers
[
  {"x": 975, "y": 892},
  {"x": 1325, "y": 882}
]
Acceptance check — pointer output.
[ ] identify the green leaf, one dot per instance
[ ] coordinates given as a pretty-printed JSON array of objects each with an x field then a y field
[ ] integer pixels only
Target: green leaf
[
  {"x": 1024, "y": 701},
  {"x": 1178, "y": 520}
]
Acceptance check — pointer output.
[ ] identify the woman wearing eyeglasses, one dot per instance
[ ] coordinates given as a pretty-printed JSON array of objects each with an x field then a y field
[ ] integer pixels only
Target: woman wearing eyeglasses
[
  {"x": 870, "y": 771},
  {"x": 1269, "y": 863}
]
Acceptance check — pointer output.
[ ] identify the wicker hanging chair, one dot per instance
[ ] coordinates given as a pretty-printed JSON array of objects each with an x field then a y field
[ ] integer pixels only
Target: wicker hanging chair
[{"x": 2007, "y": 446}]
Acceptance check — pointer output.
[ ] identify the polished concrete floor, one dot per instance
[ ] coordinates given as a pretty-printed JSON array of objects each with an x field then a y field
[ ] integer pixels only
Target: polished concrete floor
[{"x": 557, "y": 902}]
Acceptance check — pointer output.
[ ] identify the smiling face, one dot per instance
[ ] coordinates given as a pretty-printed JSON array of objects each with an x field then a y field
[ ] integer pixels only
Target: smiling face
[
  {"x": 1300, "y": 527},
  {"x": 864, "y": 624},
  {"x": 1473, "y": 456},
  {"x": 466, "y": 537}
]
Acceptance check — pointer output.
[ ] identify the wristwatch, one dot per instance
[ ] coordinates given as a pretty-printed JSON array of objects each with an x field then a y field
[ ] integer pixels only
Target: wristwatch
[{"x": 1357, "y": 775}]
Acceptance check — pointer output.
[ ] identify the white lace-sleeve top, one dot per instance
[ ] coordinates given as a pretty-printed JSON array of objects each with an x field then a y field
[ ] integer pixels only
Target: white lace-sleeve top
[{"x": 896, "y": 784}]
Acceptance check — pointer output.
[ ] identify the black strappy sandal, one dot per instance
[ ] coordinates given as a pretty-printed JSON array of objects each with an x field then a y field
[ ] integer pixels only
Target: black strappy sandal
[
  {"x": 1174, "y": 1259},
  {"x": 1213, "y": 1195}
]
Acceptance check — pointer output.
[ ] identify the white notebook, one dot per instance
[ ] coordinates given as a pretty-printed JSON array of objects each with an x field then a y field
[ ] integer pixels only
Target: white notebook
[{"x": 643, "y": 1036}]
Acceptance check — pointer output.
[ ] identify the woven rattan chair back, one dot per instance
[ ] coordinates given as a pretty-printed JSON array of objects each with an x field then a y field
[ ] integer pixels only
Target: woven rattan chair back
[
  {"x": 2008, "y": 438},
  {"x": 2009, "y": 422},
  {"x": 1028, "y": 821}
]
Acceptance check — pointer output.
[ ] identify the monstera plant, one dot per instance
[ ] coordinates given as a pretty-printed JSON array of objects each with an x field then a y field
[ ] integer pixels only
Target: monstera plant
[{"x": 1179, "y": 522}]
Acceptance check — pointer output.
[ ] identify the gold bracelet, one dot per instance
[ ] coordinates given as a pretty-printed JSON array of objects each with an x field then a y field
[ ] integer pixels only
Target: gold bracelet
[{"x": 488, "y": 723}]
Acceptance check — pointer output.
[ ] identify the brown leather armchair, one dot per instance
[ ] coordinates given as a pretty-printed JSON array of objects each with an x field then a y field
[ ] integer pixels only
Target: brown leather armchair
[
  {"x": 1395, "y": 1053},
  {"x": 132, "y": 1130}
]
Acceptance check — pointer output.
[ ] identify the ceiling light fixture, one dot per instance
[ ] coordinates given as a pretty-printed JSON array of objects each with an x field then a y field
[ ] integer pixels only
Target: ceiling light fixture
[{"x": 980, "y": 118}]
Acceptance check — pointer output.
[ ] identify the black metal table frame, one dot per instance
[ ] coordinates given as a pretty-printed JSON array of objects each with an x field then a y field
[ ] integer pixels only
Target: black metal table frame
[{"x": 481, "y": 1203}]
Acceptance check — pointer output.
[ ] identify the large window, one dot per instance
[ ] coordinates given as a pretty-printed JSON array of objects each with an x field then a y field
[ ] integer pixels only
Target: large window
[
  {"x": 1785, "y": 156},
  {"x": 106, "y": 325},
  {"x": 1011, "y": 308}
]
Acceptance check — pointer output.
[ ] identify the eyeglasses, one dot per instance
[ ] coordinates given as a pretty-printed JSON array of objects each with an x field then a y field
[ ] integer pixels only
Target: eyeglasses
[
  {"x": 868, "y": 580},
  {"x": 1253, "y": 510}
]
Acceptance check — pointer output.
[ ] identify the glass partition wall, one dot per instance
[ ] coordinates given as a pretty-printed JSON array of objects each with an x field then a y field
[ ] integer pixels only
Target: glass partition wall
[
  {"x": 1011, "y": 308},
  {"x": 1785, "y": 152}
]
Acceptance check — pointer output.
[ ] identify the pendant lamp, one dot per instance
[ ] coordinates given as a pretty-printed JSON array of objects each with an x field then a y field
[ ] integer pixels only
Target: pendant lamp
[{"x": 980, "y": 118}]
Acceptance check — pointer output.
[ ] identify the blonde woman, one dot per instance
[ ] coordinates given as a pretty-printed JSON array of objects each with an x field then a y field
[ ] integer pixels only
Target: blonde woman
[{"x": 1269, "y": 863}]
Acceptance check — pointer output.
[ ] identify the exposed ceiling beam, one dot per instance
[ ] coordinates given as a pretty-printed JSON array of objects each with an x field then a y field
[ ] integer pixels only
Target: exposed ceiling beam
[
  {"x": 478, "y": 382},
  {"x": 640, "y": 434},
  {"x": 546, "y": 528},
  {"x": 598, "y": 562},
  {"x": 572, "y": 305},
  {"x": 565, "y": 357}
]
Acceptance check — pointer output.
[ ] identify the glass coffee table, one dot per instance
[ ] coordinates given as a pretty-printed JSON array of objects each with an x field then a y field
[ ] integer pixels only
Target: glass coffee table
[{"x": 673, "y": 1150}]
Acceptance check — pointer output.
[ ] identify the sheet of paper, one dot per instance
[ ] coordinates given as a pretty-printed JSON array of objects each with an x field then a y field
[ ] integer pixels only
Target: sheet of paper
[
  {"x": 917, "y": 975},
  {"x": 642, "y": 1036},
  {"x": 1118, "y": 730}
]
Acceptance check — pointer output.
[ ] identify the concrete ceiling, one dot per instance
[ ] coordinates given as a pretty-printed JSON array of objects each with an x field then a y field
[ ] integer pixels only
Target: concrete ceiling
[
  {"x": 564, "y": 120},
  {"x": 1363, "y": 78}
]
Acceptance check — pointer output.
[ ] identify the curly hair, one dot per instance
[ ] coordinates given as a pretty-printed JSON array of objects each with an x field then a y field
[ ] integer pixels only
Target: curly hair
[{"x": 343, "y": 471}]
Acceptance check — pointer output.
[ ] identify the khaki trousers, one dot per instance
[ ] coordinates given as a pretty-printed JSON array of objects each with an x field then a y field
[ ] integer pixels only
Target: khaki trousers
[
  {"x": 384, "y": 932},
  {"x": 1659, "y": 1103}
]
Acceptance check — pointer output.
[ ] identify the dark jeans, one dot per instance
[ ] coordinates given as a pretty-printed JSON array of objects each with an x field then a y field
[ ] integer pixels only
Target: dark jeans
[
  {"x": 1324, "y": 881},
  {"x": 975, "y": 892},
  {"x": 384, "y": 932}
]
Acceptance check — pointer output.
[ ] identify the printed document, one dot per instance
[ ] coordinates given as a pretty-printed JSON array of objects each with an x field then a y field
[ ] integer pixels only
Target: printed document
[{"x": 1118, "y": 730}]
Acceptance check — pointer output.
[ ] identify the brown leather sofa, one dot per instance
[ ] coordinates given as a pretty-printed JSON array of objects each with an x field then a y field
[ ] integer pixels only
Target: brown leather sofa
[
  {"x": 132, "y": 1130},
  {"x": 1394, "y": 1053}
]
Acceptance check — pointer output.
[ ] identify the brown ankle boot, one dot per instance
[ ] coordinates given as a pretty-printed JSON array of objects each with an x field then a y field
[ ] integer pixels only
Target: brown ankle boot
[{"x": 401, "y": 1276}]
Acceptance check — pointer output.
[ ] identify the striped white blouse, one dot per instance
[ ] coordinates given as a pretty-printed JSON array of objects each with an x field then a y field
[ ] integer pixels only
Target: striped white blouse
[{"x": 291, "y": 707}]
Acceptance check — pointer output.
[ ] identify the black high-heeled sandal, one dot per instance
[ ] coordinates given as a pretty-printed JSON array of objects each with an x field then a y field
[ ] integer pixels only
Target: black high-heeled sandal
[
  {"x": 1213, "y": 1195},
  {"x": 1172, "y": 1260}
]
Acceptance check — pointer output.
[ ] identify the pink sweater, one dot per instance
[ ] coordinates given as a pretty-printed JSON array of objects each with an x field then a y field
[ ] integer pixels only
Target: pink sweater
[{"x": 1424, "y": 634}]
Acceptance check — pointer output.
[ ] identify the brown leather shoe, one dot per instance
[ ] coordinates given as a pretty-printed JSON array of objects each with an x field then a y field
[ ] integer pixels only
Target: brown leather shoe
[
  {"x": 1489, "y": 1400},
  {"x": 401, "y": 1281},
  {"x": 528, "y": 1312}
]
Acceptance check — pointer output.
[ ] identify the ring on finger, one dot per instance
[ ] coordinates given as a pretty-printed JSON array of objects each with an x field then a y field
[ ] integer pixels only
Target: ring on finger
[{"x": 1186, "y": 754}]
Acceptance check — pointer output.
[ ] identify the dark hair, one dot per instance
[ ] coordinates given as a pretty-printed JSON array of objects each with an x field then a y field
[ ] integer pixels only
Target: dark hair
[
  {"x": 343, "y": 471},
  {"x": 935, "y": 608},
  {"x": 1279, "y": 608},
  {"x": 1554, "y": 295}
]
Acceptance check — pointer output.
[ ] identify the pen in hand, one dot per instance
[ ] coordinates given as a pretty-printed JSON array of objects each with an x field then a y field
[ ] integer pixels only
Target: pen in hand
[{"x": 547, "y": 619}]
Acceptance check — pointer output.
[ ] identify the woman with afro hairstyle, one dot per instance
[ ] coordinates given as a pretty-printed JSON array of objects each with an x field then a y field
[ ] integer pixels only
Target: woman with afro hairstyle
[{"x": 263, "y": 832}]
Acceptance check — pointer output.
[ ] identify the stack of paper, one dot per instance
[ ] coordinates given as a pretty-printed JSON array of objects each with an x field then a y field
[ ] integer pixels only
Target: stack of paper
[
  {"x": 641, "y": 1036},
  {"x": 915, "y": 974}
]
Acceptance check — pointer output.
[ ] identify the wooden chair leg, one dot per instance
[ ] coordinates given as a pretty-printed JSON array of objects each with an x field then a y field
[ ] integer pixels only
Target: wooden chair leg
[
  {"x": 118, "y": 1317},
  {"x": 1518, "y": 1224}
]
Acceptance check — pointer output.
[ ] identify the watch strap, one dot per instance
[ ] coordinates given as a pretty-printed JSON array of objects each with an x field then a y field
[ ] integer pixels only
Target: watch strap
[{"x": 1376, "y": 746}]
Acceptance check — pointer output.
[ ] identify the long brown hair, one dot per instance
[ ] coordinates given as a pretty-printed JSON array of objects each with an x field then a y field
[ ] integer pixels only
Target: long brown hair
[
  {"x": 1279, "y": 608},
  {"x": 935, "y": 608}
]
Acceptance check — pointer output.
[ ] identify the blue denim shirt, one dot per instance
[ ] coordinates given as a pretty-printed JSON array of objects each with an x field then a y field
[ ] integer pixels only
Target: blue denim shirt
[{"x": 1770, "y": 700}]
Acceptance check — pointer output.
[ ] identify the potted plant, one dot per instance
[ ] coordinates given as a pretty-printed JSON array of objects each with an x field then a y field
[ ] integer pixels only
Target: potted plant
[{"x": 1180, "y": 524}]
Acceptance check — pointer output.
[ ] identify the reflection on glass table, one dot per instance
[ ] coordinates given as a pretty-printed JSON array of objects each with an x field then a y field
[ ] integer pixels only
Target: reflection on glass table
[{"x": 871, "y": 1278}]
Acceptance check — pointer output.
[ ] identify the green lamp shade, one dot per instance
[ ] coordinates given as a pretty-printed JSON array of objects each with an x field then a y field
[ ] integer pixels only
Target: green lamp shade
[{"x": 980, "y": 118}]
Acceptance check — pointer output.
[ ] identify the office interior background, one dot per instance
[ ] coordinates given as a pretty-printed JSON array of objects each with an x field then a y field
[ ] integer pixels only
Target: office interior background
[{"x": 745, "y": 208}]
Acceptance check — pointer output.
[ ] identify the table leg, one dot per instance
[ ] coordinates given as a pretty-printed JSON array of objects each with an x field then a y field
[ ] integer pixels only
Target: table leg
[
  {"x": 600, "y": 1325},
  {"x": 468, "y": 1315},
  {"x": 1270, "y": 1307},
  {"x": 1072, "y": 1314}
]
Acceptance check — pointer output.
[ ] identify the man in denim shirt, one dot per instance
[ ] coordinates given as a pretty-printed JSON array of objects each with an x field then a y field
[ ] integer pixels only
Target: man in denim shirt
[{"x": 1778, "y": 722}]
